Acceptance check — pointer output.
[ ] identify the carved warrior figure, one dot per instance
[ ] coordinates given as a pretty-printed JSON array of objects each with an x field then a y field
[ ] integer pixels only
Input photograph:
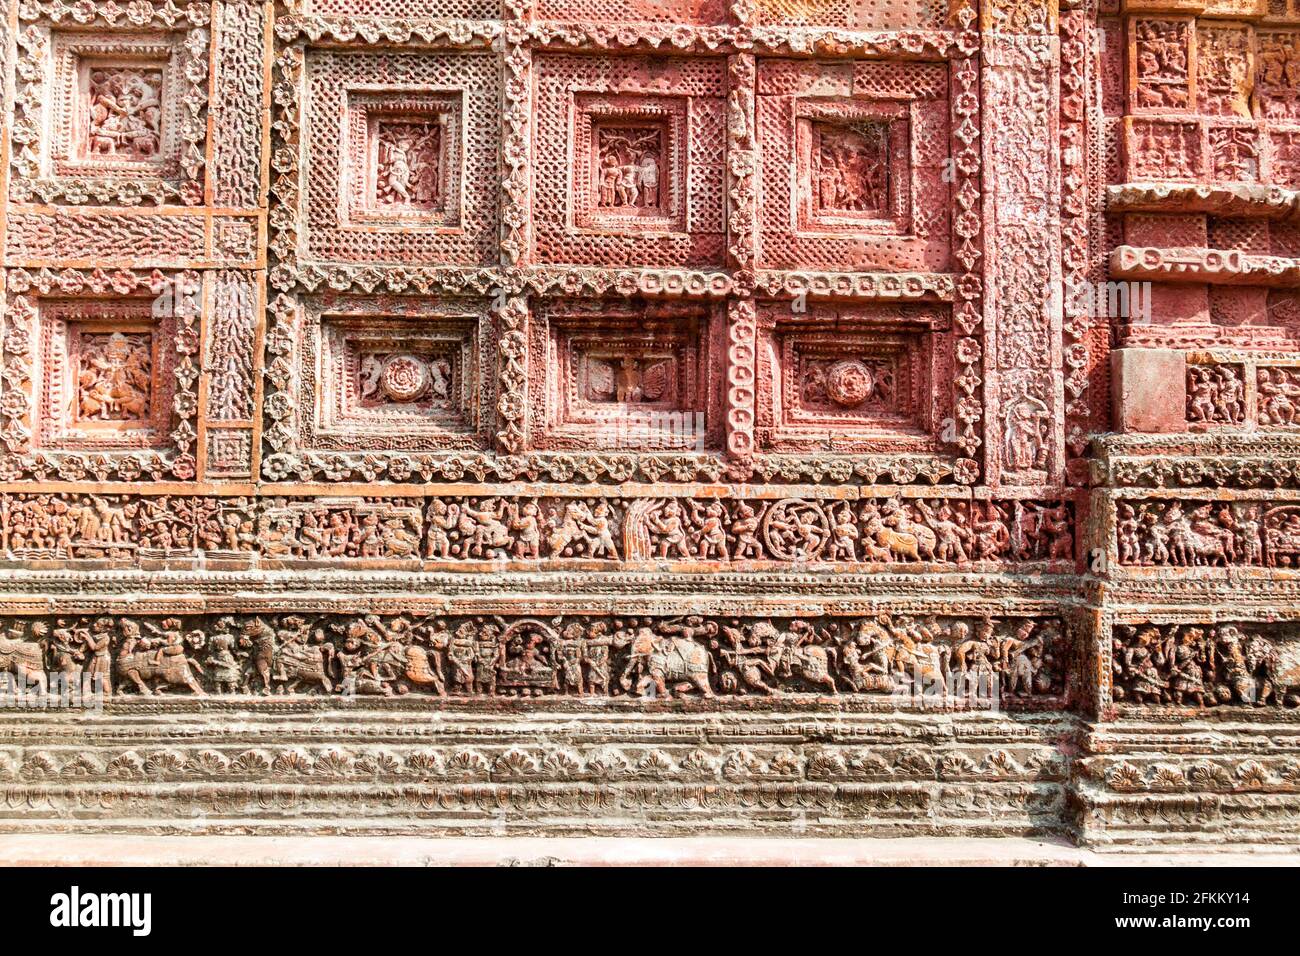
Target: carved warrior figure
[
  {"x": 158, "y": 660},
  {"x": 1215, "y": 394},
  {"x": 1196, "y": 534},
  {"x": 24, "y": 659},
  {"x": 456, "y": 529},
  {"x": 124, "y": 113},
  {"x": 629, "y": 167},
  {"x": 382, "y": 528},
  {"x": 1279, "y": 395}
]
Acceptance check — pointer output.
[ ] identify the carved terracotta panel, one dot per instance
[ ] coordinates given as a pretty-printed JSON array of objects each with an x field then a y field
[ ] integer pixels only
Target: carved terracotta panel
[
  {"x": 629, "y": 158},
  {"x": 912, "y": 388},
  {"x": 405, "y": 169},
  {"x": 853, "y": 157}
]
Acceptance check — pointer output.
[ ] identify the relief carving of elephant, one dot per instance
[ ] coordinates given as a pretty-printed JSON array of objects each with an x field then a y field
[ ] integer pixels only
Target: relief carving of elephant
[
  {"x": 25, "y": 660},
  {"x": 680, "y": 661}
]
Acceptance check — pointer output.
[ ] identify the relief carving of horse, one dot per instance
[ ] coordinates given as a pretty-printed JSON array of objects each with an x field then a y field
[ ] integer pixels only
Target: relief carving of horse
[
  {"x": 813, "y": 663},
  {"x": 412, "y": 664},
  {"x": 295, "y": 663}
]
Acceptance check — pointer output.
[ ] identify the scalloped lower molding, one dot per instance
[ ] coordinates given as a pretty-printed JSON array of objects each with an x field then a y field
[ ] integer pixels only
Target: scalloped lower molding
[{"x": 525, "y": 771}]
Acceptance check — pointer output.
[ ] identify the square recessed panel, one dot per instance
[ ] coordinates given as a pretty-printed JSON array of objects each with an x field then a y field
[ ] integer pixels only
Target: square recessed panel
[
  {"x": 850, "y": 379},
  {"x": 623, "y": 376},
  {"x": 1163, "y": 149},
  {"x": 853, "y": 168},
  {"x": 116, "y": 109},
  {"x": 1284, "y": 157},
  {"x": 1160, "y": 68},
  {"x": 629, "y": 167},
  {"x": 395, "y": 375},
  {"x": 1223, "y": 70},
  {"x": 120, "y": 112},
  {"x": 404, "y": 156},
  {"x": 1276, "y": 54},
  {"x": 402, "y": 159},
  {"x": 402, "y": 376},
  {"x": 629, "y": 161},
  {"x": 852, "y": 165},
  {"x": 1234, "y": 152},
  {"x": 105, "y": 377}
]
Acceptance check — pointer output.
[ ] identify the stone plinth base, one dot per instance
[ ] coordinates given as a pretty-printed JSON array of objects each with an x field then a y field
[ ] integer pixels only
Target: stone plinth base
[
  {"x": 811, "y": 768},
  {"x": 774, "y": 768}
]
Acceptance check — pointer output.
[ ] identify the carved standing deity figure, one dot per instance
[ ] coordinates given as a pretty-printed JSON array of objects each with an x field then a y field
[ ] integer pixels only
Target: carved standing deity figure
[
  {"x": 407, "y": 171},
  {"x": 1026, "y": 421},
  {"x": 223, "y": 667}
]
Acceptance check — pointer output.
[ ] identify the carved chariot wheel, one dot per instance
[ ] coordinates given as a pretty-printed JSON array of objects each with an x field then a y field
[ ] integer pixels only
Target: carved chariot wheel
[{"x": 795, "y": 530}]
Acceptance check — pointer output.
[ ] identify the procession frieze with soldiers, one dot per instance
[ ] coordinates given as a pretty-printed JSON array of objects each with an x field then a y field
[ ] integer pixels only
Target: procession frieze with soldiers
[
  {"x": 1192, "y": 533},
  {"x": 527, "y": 528},
  {"x": 642, "y": 657},
  {"x": 1206, "y": 665}
]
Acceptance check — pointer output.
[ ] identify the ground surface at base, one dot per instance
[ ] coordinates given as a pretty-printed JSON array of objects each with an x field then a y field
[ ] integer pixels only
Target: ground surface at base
[{"x": 76, "y": 849}]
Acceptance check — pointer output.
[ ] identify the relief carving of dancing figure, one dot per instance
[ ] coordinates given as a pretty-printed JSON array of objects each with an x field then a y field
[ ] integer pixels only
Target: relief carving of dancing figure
[{"x": 125, "y": 113}]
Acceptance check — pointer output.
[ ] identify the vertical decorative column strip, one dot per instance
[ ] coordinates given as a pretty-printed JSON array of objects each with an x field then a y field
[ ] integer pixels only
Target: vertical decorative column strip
[
  {"x": 516, "y": 110},
  {"x": 237, "y": 105},
  {"x": 968, "y": 316},
  {"x": 1022, "y": 274},
  {"x": 742, "y": 328},
  {"x": 510, "y": 308},
  {"x": 1076, "y": 213}
]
